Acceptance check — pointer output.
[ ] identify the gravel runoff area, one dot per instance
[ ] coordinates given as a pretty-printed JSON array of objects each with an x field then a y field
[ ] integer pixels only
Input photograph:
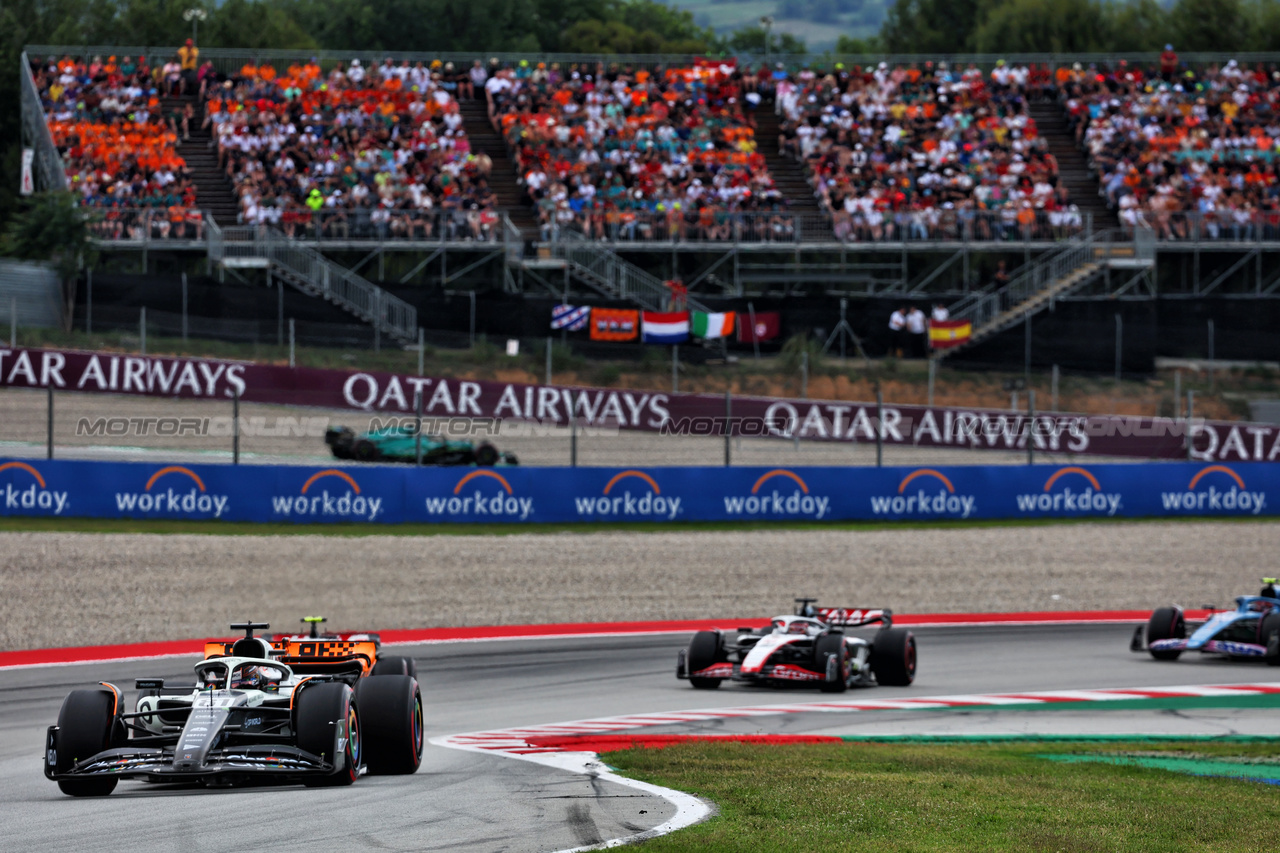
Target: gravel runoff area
[
  {"x": 24, "y": 433},
  {"x": 84, "y": 589}
]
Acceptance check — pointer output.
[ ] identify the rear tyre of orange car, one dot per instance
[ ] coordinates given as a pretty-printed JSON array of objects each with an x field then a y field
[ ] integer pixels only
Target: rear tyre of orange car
[
  {"x": 391, "y": 710},
  {"x": 395, "y": 665},
  {"x": 1167, "y": 623},
  {"x": 828, "y": 646},
  {"x": 893, "y": 657},
  {"x": 317, "y": 709},
  {"x": 87, "y": 725},
  {"x": 704, "y": 651}
]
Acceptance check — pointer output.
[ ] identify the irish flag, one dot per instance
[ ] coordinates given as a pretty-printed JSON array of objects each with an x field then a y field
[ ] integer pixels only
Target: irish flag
[{"x": 712, "y": 325}]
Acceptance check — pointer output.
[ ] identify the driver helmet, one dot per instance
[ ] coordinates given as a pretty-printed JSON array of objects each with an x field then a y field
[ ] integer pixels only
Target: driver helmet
[
  {"x": 247, "y": 677},
  {"x": 798, "y": 627}
]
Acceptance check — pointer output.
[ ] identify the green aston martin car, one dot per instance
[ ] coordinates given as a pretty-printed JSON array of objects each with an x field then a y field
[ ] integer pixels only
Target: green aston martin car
[{"x": 400, "y": 444}]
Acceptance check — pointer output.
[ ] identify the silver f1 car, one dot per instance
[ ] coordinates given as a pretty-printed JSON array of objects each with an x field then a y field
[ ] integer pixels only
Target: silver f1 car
[
  {"x": 809, "y": 647},
  {"x": 317, "y": 709}
]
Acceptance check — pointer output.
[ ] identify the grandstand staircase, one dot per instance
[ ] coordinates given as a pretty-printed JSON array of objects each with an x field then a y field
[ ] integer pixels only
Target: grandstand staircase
[
  {"x": 502, "y": 180},
  {"x": 605, "y": 272},
  {"x": 1073, "y": 166},
  {"x": 788, "y": 175},
  {"x": 305, "y": 269},
  {"x": 213, "y": 191},
  {"x": 1038, "y": 285}
]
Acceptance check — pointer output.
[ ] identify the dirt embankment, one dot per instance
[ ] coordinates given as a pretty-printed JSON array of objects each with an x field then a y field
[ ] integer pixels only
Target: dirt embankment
[{"x": 83, "y": 589}]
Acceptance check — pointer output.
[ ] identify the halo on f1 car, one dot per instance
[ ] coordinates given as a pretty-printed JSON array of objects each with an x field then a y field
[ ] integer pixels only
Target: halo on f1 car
[
  {"x": 809, "y": 647},
  {"x": 1251, "y": 631},
  {"x": 320, "y": 709}
]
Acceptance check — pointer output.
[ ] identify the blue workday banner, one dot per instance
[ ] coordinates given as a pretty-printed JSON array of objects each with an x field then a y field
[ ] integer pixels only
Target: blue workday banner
[{"x": 388, "y": 495}]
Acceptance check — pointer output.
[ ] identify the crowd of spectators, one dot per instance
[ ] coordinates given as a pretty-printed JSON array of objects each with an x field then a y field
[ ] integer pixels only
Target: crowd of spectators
[
  {"x": 119, "y": 146},
  {"x": 669, "y": 153},
  {"x": 1188, "y": 153},
  {"x": 914, "y": 152},
  {"x": 354, "y": 152},
  {"x": 622, "y": 153}
]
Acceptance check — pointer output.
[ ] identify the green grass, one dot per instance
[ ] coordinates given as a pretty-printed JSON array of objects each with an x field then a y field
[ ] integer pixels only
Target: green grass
[
  {"x": 991, "y": 796},
  {"x": 10, "y": 524}
]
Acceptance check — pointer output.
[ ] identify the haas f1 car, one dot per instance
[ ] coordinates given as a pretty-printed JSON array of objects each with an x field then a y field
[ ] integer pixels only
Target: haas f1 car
[
  {"x": 809, "y": 648},
  {"x": 320, "y": 709},
  {"x": 1250, "y": 632}
]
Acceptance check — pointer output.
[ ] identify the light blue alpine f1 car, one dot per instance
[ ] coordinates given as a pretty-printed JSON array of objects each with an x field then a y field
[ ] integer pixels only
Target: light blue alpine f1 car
[{"x": 1250, "y": 632}]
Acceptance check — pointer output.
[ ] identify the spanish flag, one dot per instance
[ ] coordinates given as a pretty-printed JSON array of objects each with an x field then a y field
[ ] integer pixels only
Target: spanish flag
[{"x": 949, "y": 333}]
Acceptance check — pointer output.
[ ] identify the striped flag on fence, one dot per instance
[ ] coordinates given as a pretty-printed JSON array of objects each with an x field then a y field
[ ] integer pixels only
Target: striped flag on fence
[
  {"x": 569, "y": 317},
  {"x": 665, "y": 327},
  {"x": 712, "y": 325}
]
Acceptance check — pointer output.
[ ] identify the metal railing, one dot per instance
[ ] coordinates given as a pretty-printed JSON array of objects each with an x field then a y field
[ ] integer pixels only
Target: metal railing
[
  {"x": 50, "y": 174},
  {"x": 596, "y": 264},
  {"x": 1053, "y": 267},
  {"x": 230, "y": 60},
  {"x": 146, "y": 224},
  {"x": 313, "y": 273},
  {"x": 910, "y": 226}
]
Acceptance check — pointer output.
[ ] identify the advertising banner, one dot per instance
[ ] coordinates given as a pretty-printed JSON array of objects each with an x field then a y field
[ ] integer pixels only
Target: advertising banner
[
  {"x": 652, "y": 411},
  {"x": 383, "y": 494}
]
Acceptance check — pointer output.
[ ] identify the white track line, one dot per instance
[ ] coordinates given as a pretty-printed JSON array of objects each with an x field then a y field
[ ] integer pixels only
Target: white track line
[{"x": 515, "y": 742}]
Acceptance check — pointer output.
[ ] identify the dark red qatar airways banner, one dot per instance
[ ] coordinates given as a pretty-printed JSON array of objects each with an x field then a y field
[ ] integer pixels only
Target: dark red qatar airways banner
[{"x": 674, "y": 414}]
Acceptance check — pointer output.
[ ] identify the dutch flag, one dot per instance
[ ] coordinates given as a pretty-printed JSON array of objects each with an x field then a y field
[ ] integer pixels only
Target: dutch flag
[{"x": 665, "y": 327}]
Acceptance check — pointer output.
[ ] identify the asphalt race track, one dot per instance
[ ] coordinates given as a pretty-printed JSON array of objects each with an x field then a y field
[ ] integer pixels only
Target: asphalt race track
[{"x": 468, "y": 801}]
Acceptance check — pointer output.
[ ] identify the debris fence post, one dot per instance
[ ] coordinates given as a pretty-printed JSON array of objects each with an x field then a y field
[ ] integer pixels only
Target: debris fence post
[
  {"x": 933, "y": 375},
  {"x": 421, "y": 349},
  {"x": 13, "y": 322},
  {"x": 184, "y": 307},
  {"x": 755, "y": 340},
  {"x": 879, "y": 427},
  {"x": 1119, "y": 344},
  {"x": 235, "y": 427},
  {"x": 548, "y": 382},
  {"x": 1031, "y": 426},
  {"x": 293, "y": 340},
  {"x": 142, "y": 327},
  {"x": 1212, "y": 377},
  {"x": 728, "y": 427},
  {"x": 279, "y": 312},
  {"x": 1191, "y": 438},
  {"x": 49, "y": 427},
  {"x": 88, "y": 301},
  {"x": 675, "y": 368},
  {"x": 1053, "y": 384},
  {"x": 573, "y": 431},
  {"x": 417, "y": 435}
]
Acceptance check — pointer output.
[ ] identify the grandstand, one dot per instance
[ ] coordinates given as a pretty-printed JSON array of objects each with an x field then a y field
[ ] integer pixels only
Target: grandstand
[{"x": 903, "y": 178}]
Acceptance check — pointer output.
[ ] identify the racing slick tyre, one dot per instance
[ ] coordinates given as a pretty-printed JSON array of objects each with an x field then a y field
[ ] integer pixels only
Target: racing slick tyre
[
  {"x": 893, "y": 657},
  {"x": 704, "y": 651},
  {"x": 391, "y": 711},
  {"x": 365, "y": 451},
  {"x": 1167, "y": 623},
  {"x": 1269, "y": 636},
  {"x": 87, "y": 725},
  {"x": 827, "y": 646},
  {"x": 487, "y": 455},
  {"x": 393, "y": 665},
  {"x": 318, "y": 708}
]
